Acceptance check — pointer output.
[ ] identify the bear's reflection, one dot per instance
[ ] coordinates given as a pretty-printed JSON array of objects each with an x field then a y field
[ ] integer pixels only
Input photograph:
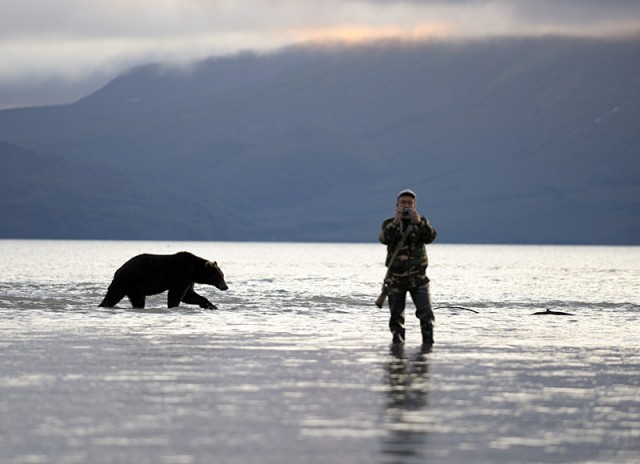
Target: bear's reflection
[{"x": 406, "y": 404}]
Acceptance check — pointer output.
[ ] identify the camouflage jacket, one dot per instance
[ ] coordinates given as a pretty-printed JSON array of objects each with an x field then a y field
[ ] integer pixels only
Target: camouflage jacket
[{"x": 411, "y": 260}]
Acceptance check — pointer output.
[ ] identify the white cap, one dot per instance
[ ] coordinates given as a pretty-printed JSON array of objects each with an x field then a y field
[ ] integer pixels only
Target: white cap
[{"x": 407, "y": 192}]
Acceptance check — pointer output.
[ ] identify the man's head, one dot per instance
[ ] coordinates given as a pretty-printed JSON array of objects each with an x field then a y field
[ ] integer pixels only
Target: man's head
[{"x": 406, "y": 199}]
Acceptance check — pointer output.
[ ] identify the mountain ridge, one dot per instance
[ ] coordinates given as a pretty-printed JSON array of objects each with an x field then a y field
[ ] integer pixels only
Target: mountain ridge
[{"x": 510, "y": 141}]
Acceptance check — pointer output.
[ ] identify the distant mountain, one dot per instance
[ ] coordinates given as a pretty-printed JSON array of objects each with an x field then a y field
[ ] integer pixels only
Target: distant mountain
[
  {"x": 49, "y": 196},
  {"x": 521, "y": 140}
]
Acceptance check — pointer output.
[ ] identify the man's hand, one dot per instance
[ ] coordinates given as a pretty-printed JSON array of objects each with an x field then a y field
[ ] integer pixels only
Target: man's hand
[
  {"x": 413, "y": 215},
  {"x": 398, "y": 218}
]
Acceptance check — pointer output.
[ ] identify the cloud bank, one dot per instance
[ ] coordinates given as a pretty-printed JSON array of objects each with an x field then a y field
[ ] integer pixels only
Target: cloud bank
[{"x": 65, "y": 44}]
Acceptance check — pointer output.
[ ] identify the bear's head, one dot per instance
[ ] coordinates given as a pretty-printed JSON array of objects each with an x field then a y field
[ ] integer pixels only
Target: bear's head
[{"x": 213, "y": 275}]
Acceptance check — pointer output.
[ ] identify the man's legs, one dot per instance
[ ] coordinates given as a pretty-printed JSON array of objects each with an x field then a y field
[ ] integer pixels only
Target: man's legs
[
  {"x": 422, "y": 300},
  {"x": 397, "y": 300}
]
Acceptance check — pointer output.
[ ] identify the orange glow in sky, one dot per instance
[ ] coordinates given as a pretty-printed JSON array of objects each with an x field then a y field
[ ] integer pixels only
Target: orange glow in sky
[{"x": 356, "y": 34}]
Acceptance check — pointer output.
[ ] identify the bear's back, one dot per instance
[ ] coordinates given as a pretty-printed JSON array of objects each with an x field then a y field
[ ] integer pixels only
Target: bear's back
[{"x": 151, "y": 266}]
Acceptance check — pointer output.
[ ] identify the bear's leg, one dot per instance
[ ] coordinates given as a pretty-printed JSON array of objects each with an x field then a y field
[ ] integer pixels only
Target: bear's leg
[
  {"x": 112, "y": 298},
  {"x": 191, "y": 297},
  {"x": 137, "y": 300},
  {"x": 174, "y": 296}
]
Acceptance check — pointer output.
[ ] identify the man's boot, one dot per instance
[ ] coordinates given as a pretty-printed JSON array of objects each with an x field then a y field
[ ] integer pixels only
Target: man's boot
[
  {"x": 427, "y": 335},
  {"x": 398, "y": 337}
]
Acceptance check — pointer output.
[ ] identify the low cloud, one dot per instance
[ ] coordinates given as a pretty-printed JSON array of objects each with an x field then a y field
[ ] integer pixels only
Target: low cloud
[{"x": 72, "y": 40}]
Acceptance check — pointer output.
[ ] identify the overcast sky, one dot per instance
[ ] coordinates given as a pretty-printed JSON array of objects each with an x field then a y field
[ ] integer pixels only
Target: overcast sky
[{"x": 54, "y": 51}]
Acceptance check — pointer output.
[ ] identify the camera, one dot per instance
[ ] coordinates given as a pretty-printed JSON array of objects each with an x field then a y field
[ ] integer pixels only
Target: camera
[{"x": 406, "y": 213}]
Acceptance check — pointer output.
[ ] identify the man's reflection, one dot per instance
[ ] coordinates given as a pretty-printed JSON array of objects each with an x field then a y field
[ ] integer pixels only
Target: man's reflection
[{"x": 406, "y": 404}]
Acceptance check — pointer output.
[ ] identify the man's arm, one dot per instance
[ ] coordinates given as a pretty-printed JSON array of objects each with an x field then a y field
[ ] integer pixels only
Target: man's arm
[
  {"x": 426, "y": 231},
  {"x": 390, "y": 232}
]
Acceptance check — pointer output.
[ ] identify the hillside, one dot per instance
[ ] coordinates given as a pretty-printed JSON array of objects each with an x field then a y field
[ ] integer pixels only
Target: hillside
[{"x": 510, "y": 141}]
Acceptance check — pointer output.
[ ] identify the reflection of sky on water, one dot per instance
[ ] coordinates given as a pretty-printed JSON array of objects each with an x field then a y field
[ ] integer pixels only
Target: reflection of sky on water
[
  {"x": 405, "y": 418},
  {"x": 296, "y": 366}
]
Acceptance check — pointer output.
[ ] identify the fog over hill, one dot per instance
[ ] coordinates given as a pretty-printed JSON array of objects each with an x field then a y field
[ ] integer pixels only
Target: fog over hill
[{"x": 522, "y": 140}]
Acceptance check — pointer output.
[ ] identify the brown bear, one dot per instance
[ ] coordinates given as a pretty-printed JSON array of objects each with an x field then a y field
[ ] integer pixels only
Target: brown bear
[{"x": 148, "y": 274}]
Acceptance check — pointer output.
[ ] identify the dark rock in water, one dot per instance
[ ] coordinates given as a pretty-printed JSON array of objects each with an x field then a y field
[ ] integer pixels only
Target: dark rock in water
[{"x": 555, "y": 313}]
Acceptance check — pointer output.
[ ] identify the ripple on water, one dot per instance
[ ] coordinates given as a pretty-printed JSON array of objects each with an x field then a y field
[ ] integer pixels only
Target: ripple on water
[{"x": 296, "y": 366}]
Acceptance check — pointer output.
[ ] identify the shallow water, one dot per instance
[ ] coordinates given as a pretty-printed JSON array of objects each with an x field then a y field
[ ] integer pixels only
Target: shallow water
[{"x": 296, "y": 366}]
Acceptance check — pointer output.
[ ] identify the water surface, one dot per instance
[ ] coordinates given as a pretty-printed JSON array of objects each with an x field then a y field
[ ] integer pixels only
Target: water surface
[{"x": 296, "y": 367}]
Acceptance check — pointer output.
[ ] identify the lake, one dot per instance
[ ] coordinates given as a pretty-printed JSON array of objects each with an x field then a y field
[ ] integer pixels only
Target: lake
[{"x": 296, "y": 365}]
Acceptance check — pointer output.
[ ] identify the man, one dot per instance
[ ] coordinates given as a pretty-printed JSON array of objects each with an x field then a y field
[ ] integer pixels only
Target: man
[{"x": 407, "y": 272}]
